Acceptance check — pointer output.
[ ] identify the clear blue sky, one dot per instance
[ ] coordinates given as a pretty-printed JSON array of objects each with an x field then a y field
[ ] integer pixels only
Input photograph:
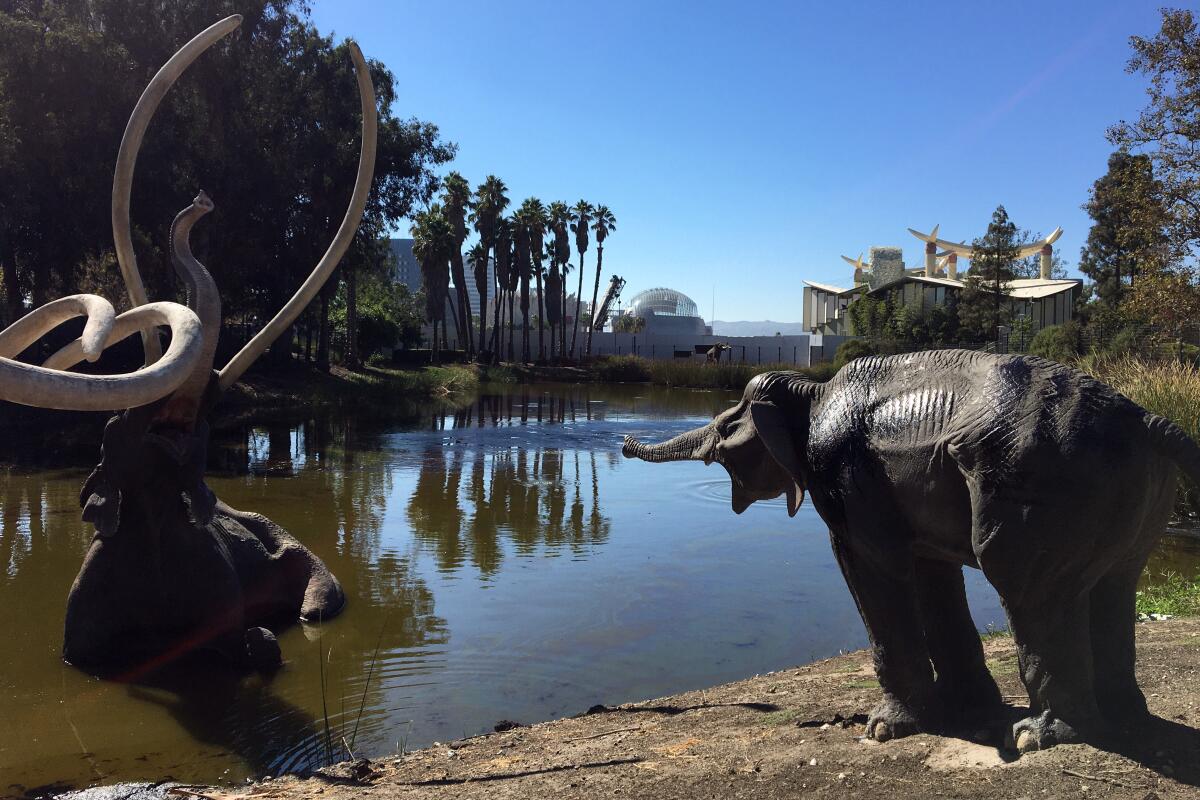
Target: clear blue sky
[{"x": 745, "y": 146}]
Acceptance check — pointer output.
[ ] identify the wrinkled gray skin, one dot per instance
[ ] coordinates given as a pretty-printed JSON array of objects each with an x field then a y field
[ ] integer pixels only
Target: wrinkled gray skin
[
  {"x": 171, "y": 569},
  {"x": 1050, "y": 482}
]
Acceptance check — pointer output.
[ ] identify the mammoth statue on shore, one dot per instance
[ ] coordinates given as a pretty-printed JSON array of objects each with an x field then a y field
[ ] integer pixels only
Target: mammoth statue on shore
[
  {"x": 1050, "y": 482},
  {"x": 171, "y": 569}
]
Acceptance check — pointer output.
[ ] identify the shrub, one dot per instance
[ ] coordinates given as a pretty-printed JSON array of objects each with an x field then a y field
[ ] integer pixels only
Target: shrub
[
  {"x": 1057, "y": 343},
  {"x": 622, "y": 369},
  {"x": 851, "y": 349}
]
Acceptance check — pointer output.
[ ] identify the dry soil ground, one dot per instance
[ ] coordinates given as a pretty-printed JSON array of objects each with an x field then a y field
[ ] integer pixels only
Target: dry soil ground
[{"x": 792, "y": 733}]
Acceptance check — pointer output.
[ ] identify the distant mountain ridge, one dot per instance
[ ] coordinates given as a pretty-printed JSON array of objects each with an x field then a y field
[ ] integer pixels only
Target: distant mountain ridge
[{"x": 760, "y": 328}]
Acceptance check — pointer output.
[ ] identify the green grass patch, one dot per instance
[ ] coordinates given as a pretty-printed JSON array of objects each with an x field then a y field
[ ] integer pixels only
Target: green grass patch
[
  {"x": 375, "y": 386},
  {"x": 870, "y": 683},
  {"x": 784, "y": 717},
  {"x": 1169, "y": 593},
  {"x": 1004, "y": 665},
  {"x": 993, "y": 631}
]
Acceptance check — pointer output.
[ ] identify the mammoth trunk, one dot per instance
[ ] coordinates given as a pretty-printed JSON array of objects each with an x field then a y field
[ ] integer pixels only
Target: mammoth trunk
[{"x": 694, "y": 445}]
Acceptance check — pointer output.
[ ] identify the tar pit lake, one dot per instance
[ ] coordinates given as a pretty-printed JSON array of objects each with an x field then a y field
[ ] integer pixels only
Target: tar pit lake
[{"x": 501, "y": 561}]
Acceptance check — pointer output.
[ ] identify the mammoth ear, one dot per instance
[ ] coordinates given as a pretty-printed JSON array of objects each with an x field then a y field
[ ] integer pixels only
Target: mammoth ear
[{"x": 781, "y": 437}]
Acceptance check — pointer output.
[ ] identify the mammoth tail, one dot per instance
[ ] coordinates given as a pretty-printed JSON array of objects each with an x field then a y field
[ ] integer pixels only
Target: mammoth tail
[{"x": 1170, "y": 440}]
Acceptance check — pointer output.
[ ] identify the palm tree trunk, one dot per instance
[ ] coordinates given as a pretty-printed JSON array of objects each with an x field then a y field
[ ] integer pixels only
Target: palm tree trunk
[
  {"x": 595, "y": 296},
  {"x": 562, "y": 320},
  {"x": 497, "y": 334},
  {"x": 578, "y": 300},
  {"x": 541, "y": 317},
  {"x": 512, "y": 326},
  {"x": 482, "y": 319},
  {"x": 433, "y": 355},
  {"x": 463, "y": 317}
]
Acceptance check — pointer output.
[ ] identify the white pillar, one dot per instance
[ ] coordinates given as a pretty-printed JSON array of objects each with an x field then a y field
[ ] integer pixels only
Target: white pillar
[
  {"x": 952, "y": 267},
  {"x": 930, "y": 259},
  {"x": 1046, "y": 262}
]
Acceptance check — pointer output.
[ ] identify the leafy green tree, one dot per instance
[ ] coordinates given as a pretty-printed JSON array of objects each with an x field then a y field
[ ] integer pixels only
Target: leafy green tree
[
  {"x": 603, "y": 224},
  {"x": 267, "y": 121},
  {"x": 628, "y": 323},
  {"x": 1059, "y": 343},
  {"x": 870, "y": 316},
  {"x": 851, "y": 349},
  {"x": 982, "y": 304},
  {"x": 389, "y": 315},
  {"x": 1167, "y": 130},
  {"x": 581, "y": 218},
  {"x": 1129, "y": 227}
]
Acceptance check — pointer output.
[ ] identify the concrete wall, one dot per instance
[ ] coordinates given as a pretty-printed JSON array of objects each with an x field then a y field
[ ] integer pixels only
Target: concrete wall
[{"x": 748, "y": 349}]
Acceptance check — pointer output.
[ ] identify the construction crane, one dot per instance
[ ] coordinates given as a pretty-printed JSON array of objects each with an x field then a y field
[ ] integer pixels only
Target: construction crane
[{"x": 600, "y": 318}]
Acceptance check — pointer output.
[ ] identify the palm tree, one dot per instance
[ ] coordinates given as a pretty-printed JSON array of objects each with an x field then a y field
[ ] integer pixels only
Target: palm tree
[
  {"x": 502, "y": 247},
  {"x": 456, "y": 197},
  {"x": 537, "y": 233},
  {"x": 581, "y": 216},
  {"x": 490, "y": 201},
  {"x": 603, "y": 224},
  {"x": 478, "y": 257},
  {"x": 532, "y": 216},
  {"x": 560, "y": 220},
  {"x": 433, "y": 242},
  {"x": 513, "y": 284},
  {"x": 553, "y": 301}
]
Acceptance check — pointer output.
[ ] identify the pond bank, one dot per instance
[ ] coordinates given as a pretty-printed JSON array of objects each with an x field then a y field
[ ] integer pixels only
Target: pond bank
[
  {"x": 790, "y": 733},
  {"x": 76, "y": 439}
]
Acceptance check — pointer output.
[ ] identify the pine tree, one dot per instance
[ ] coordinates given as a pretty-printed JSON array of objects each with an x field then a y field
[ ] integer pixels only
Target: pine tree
[
  {"x": 1128, "y": 234},
  {"x": 983, "y": 303}
]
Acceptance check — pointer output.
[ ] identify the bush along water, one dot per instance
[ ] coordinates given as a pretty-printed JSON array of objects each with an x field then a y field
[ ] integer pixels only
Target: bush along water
[{"x": 694, "y": 374}]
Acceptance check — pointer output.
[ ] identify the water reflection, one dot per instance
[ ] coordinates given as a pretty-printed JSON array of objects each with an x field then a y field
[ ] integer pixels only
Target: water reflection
[{"x": 500, "y": 560}]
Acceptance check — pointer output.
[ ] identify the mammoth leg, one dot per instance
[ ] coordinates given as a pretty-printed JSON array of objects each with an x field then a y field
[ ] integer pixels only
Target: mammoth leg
[
  {"x": 1047, "y": 600},
  {"x": 883, "y": 588},
  {"x": 966, "y": 688},
  {"x": 1054, "y": 652},
  {"x": 1112, "y": 606}
]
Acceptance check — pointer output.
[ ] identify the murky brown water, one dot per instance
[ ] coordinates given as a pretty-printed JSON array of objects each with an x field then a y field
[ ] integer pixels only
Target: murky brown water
[{"x": 503, "y": 559}]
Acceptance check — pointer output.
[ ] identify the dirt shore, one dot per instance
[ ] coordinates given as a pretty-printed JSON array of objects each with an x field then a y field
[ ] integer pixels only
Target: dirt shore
[{"x": 792, "y": 733}]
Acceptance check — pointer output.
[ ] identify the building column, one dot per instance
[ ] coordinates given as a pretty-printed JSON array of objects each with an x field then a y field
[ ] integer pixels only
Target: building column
[
  {"x": 930, "y": 259},
  {"x": 952, "y": 267},
  {"x": 1046, "y": 262}
]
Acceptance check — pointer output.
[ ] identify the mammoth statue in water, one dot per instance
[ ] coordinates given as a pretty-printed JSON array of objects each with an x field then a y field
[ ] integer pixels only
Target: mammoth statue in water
[
  {"x": 171, "y": 569},
  {"x": 1051, "y": 483}
]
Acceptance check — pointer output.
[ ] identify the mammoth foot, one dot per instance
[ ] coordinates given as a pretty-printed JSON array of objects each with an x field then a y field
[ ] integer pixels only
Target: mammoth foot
[
  {"x": 262, "y": 649},
  {"x": 892, "y": 719},
  {"x": 1043, "y": 732}
]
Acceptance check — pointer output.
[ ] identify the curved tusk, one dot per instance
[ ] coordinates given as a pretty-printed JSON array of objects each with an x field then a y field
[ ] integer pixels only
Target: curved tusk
[
  {"x": 341, "y": 241},
  {"x": 31, "y": 327},
  {"x": 131, "y": 142},
  {"x": 51, "y": 388},
  {"x": 203, "y": 297}
]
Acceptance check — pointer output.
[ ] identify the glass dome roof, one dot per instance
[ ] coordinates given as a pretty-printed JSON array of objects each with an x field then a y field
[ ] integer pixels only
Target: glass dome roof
[{"x": 663, "y": 301}]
